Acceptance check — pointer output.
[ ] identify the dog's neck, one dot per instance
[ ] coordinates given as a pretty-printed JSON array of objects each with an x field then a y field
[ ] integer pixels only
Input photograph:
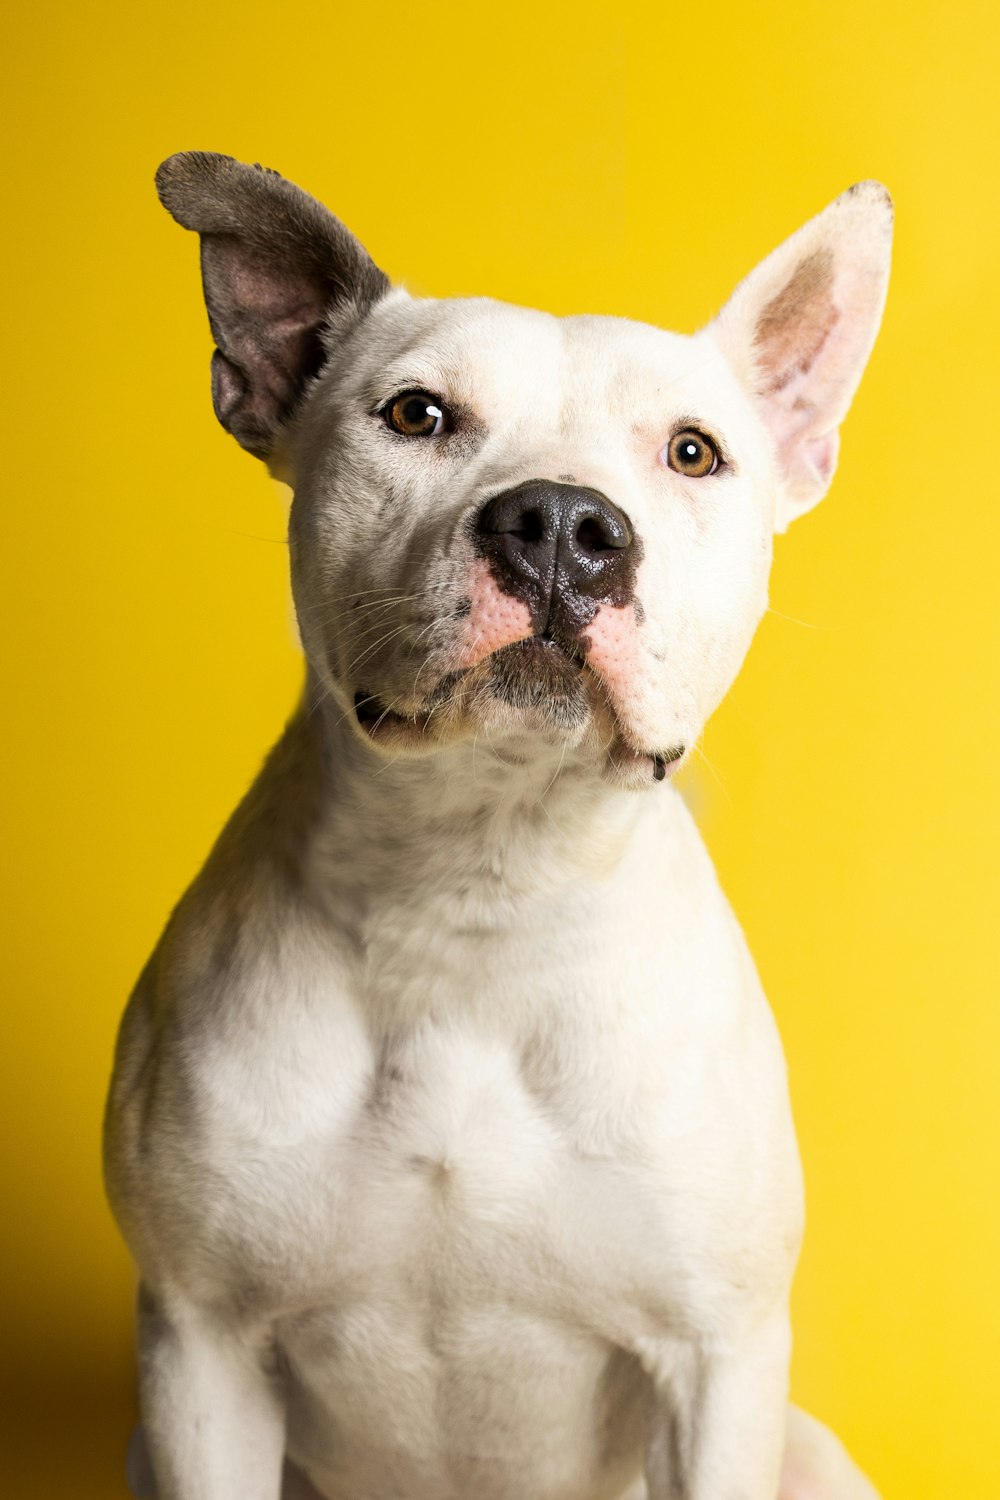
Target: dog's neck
[{"x": 465, "y": 818}]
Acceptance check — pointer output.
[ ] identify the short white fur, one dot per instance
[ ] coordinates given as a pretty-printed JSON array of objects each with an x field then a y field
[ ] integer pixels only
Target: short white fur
[{"x": 449, "y": 1125}]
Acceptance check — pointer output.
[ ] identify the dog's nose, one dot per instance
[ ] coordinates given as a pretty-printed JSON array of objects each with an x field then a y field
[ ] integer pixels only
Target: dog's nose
[{"x": 547, "y": 543}]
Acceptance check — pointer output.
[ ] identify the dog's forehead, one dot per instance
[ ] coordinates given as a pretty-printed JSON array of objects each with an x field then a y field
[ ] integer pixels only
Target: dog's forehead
[{"x": 494, "y": 354}]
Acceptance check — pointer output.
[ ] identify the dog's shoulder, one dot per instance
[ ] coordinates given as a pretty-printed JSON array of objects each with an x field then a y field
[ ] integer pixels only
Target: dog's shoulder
[{"x": 243, "y": 1009}]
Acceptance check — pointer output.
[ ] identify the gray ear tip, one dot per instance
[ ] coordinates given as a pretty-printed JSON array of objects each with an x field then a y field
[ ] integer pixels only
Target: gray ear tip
[
  {"x": 184, "y": 177},
  {"x": 203, "y": 189},
  {"x": 190, "y": 179}
]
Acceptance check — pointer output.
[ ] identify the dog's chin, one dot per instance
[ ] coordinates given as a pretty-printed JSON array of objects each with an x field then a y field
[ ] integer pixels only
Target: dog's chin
[{"x": 535, "y": 688}]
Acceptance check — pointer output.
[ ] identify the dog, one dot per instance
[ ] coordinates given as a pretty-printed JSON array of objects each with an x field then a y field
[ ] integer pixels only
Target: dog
[{"x": 449, "y": 1125}]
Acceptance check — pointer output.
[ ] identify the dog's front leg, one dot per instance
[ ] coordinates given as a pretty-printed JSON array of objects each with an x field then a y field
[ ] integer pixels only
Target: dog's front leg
[
  {"x": 213, "y": 1417},
  {"x": 717, "y": 1417}
]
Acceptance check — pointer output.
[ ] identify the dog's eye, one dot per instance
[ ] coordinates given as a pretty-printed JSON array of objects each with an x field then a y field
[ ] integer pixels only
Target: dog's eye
[
  {"x": 416, "y": 414},
  {"x": 691, "y": 453}
]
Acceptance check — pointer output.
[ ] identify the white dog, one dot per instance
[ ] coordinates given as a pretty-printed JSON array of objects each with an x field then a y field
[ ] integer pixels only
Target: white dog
[{"x": 449, "y": 1125}]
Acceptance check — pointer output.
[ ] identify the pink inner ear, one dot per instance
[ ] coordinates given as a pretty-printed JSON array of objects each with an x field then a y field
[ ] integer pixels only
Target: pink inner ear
[
  {"x": 795, "y": 325},
  {"x": 821, "y": 455},
  {"x": 798, "y": 330},
  {"x": 803, "y": 354}
]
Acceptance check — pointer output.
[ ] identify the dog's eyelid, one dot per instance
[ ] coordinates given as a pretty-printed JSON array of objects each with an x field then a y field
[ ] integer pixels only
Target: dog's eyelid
[{"x": 383, "y": 398}]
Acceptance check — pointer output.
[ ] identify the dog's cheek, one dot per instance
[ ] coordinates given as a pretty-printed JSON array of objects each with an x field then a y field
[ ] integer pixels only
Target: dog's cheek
[
  {"x": 613, "y": 650},
  {"x": 632, "y": 678},
  {"x": 495, "y": 619}
]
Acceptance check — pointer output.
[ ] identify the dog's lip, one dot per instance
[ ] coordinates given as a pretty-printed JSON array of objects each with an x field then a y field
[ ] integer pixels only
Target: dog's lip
[
  {"x": 371, "y": 713},
  {"x": 542, "y": 644},
  {"x": 666, "y": 762},
  {"x": 638, "y": 764}
]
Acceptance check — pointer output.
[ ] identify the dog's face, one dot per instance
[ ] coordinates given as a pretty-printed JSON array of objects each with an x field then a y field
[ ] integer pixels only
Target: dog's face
[
  {"x": 530, "y": 528},
  {"x": 541, "y": 531}
]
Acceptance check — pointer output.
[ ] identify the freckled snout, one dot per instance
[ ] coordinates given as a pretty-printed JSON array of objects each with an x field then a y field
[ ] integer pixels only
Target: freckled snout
[{"x": 562, "y": 549}]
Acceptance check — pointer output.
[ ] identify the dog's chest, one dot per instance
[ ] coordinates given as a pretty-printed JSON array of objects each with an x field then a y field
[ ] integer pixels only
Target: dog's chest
[
  {"x": 462, "y": 1258},
  {"x": 471, "y": 1181},
  {"x": 461, "y": 1225},
  {"x": 452, "y": 1167},
  {"x": 426, "y": 1165}
]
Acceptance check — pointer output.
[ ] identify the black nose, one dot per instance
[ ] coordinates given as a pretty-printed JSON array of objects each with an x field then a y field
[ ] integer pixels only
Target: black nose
[{"x": 561, "y": 548}]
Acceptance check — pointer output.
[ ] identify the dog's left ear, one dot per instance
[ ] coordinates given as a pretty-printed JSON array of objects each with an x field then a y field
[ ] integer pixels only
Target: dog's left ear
[
  {"x": 276, "y": 268},
  {"x": 798, "y": 332}
]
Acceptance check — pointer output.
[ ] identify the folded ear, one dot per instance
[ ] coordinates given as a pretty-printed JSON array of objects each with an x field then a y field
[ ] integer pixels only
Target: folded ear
[
  {"x": 798, "y": 332},
  {"x": 274, "y": 264}
]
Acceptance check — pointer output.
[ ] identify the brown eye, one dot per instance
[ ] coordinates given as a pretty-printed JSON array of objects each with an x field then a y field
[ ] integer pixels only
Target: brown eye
[
  {"x": 416, "y": 414},
  {"x": 692, "y": 453}
]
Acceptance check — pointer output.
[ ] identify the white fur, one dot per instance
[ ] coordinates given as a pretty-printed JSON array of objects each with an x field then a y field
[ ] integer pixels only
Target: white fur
[{"x": 449, "y": 1124}]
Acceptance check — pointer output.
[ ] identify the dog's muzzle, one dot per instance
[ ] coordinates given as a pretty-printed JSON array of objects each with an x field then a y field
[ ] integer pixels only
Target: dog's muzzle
[{"x": 562, "y": 549}]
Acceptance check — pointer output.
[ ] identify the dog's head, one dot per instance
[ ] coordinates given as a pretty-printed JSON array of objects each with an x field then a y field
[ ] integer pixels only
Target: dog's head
[{"x": 540, "y": 530}]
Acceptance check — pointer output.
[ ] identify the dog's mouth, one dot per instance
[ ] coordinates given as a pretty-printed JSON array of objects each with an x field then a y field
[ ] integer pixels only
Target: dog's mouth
[
  {"x": 543, "y": 676},
  {"x": 539, "y": 676},
  {"x": 538, "y": 684}
]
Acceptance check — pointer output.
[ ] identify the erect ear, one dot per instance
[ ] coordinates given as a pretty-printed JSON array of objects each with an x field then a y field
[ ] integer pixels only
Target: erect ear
[
  {"x": 274, "y": 264},
  {"x": 798, "y": 332}
]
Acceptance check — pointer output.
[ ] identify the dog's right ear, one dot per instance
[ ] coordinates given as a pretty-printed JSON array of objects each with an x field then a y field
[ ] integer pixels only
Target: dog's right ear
[
  {"x": 799, "y": 330},
  {"x": 274, "y": 264}
]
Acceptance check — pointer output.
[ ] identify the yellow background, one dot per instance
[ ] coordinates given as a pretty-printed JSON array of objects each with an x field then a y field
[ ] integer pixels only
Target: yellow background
[{"x": 623, "y": 159}]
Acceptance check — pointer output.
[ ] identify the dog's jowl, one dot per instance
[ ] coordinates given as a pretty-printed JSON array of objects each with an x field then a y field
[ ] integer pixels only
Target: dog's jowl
[{"x": 449, "y": 1125}]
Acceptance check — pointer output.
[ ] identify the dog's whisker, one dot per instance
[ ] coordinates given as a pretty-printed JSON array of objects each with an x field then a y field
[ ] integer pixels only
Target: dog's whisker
[
  {"x": 421, "y": 635},
  {"x": 427, "y": 593},
  {"x": 362, "y": 612},
  {"x": 718, "y": 779},
  {"x": 806, "y": 624},
  {"x": 555, "y": 774},
  {"x": 561, "y": 831},
  {"x": 350, "y": 713},
  {"x": 370, "y": 650},
  {"x": 387, "y": 588},
  {"x": 322, "y": 697},
  {"x": 509, "y": 764},
  {"x": 371, "y": 616},
  {"x": 388, "y": 766}
]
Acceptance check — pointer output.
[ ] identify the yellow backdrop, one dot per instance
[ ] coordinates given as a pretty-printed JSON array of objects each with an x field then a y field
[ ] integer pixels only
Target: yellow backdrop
[{"x": 622, "y": 159}]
